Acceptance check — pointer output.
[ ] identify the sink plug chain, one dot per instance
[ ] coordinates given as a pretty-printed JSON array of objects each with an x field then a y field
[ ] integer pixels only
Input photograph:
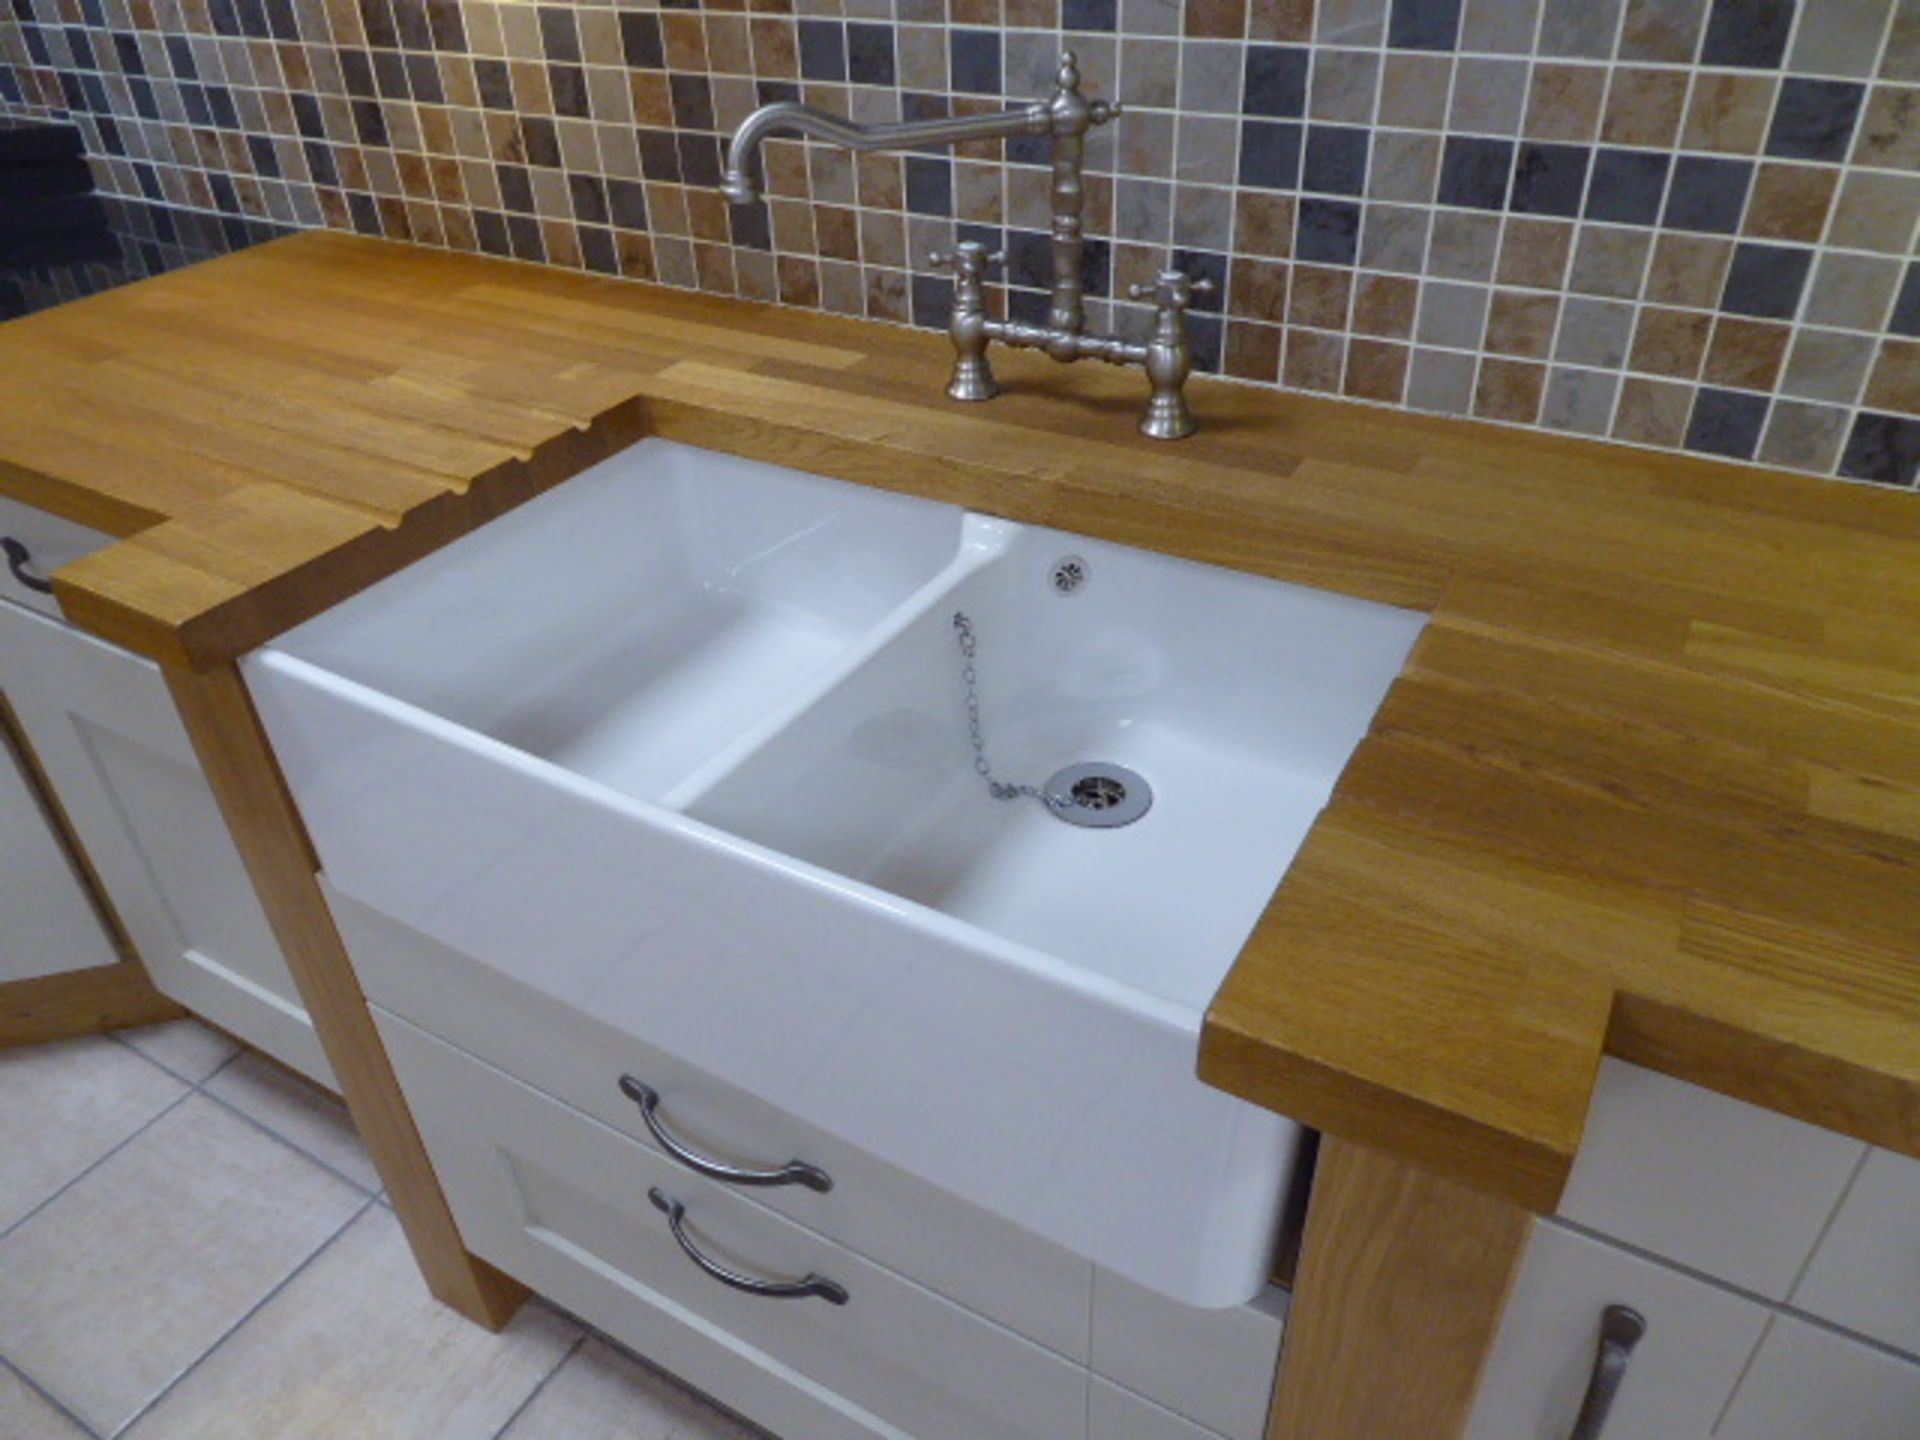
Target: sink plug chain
[{"x": 983, "y": 767}]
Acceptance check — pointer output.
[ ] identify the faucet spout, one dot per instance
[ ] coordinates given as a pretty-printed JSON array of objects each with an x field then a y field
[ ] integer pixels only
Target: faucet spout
[{"x": 741, "y": 183}]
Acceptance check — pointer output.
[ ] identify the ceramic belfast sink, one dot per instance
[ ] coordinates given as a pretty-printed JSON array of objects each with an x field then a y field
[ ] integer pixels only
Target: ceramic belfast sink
[{"x": 685, "y": 744}]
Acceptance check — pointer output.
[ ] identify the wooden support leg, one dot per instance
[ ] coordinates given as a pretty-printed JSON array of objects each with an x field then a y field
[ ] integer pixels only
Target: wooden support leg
[
  {"x": 1402, "y": 1282},
  {"x": 80, "y": 1002},
  {"x": 273, "y": 841}
]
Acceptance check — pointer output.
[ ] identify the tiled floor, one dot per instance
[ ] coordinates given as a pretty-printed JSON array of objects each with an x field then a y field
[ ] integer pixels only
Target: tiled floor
[{"x": 193, "y": 1247}]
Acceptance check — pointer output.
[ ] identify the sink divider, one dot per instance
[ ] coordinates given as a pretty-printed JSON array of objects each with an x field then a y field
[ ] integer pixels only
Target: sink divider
[{"x": 984, "y": 540}]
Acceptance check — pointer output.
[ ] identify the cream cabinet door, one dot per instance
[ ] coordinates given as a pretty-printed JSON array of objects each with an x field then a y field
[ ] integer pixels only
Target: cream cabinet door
[
  {"x": 103, "y": 725},
  {"x": 48, "y": 924},
  {"x": 1811, "y": 1383},
  {"x": 1680, "y": 1374}
]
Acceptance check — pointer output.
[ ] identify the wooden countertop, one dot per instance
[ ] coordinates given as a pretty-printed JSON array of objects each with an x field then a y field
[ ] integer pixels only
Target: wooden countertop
[{"x": 1650, "y": 784}]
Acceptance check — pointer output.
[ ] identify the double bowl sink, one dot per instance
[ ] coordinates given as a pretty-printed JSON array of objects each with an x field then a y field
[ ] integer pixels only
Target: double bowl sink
[{"x": 691, "y": 745}]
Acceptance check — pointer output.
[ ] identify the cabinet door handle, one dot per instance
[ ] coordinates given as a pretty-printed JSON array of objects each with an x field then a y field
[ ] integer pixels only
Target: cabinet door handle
[
  {"x": 794, "y": 1172},
  {"x": 810, "y": 1285},
  {"x": 1620, "y": 1330},
  {"x": 18, "y": 558}
]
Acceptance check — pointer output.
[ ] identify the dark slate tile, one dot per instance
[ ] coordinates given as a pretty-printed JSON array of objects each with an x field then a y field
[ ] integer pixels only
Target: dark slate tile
[
  {"x": 932, "y": 301},
  {"x": 516, "y": 187},
  {"x": 356, "y": 73},
  {"x": 1029, "y": 259},
  {"x": 369, "y": 123},
  {"x": 597, "y": 250},
  {"x": 409, "y": 17},
  {"x": 1550, "y": 179},
  {"x": 1814, "y": 119},
  {"x": 1475, "y": 172},
  {"x": 558, "y": 34},
  {"x": 1708, "y": 194},
  {"x": 929, "y": 185},
  {"x": 1727, "y": 422},
  {"x": 589, "y": 196},
  {"x": 1204, "y": 336},
  {"x": 495, "y": 84},
  {"x": 390, "y": 75},
  {"x": 700, "y": 159},
  {"x": 260, "y": 151},
  {"x": 366, "y": 217},
  {"x": 542, "y": 140},
  {"x": 750, "y": 226},
  {"x": 1906, "y": 309},
  {"x": 1090, "y": 15},
  {"x": 491, "y": 228},
  {"x": 1424, "y": 25},
  {"x": 1336, "y": 159},
  {"x": 627, "y": 201},
  {"x": 524, "y": 233},
  {"x": 1627, "y": 186},
  {"x": 870, "y": 54},
  {"x": 1270, "y": 154},
  {"x": 1029, "y": 307},
  {"x": 660, "y": 156},
  {"x": 1766, "y": 280},
  {"x": 1096, "y": 266},
  {"x": 640, "y": 38},
  {"x": 568, "y": 85},
  {"x": 692, "y": 102},
  {"x": 180, "y": 56},
  {"x": 974, "y": 58},
  {"x": 423, "y": 78},
  {"x": 1328, "y": 231},
  {"x": 1748, "y": 33},
  {"x": 1276, "y": 81},
  {"x": 1205, "y": 265},
  {"x": 773, "y": 92},
  {"x": 1885, "y": 448},
  {"x": 447, "y": 25},
  {"x": 823, "y": 51}
]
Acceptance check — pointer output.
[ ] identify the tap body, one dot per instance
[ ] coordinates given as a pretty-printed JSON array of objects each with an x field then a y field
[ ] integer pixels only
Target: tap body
[{"x": 1065, "y": 118}]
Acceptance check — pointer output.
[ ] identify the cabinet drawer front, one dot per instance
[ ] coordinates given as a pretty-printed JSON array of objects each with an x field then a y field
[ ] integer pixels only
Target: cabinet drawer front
[
  {"x": 1698, "y": 1338},
  {"x": 1214, "y": 1367},
  {"x": 1717, "y": 1185},
  {"x": 48, "y": 543},
  {"x": 909, "y": 1226},
  {"x": 1807, "y": 1382},
  {"x": 1866, "y": 1274},
  {"x": 561, "y": 1202}
]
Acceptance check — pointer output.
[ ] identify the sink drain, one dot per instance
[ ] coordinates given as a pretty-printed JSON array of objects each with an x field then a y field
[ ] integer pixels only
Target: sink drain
[{"x": 1098, "y": 795}]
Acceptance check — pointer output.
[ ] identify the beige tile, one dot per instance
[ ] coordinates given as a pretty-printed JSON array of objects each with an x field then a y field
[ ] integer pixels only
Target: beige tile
[
  {"x": 602, "y": 1394},
  {"x": 298, "y": 1111},
  {"x": 186, "y": 1047},
  {"x": 356, "y": 1346},
  {"x": 68, "y": 1104},
  {"x": 108, "y": 1294},
  {"x": 25, "y": 1415}
]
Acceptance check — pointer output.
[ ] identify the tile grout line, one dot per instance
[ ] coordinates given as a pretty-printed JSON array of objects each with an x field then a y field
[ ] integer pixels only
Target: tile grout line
[
  {"x": 114, "y": 1150},
  {"x": 251, "y": 1311},
  {"x": 48, "y": 1396},
  {"x": 545, "y": 1380}
]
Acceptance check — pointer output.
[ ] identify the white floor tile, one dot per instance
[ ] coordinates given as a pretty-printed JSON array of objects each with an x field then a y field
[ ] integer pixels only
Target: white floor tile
[
  {"x": 68, "y": 1104},
  {"x": 109, "y": 1293},
  {"x": 356, "y": 1347},
  {"x": 299, "y": 1111},
  {"x": 25, "y": 1416},
  {"x": 186, "y": 1047},
  {"x": 602, "y": 1394}
]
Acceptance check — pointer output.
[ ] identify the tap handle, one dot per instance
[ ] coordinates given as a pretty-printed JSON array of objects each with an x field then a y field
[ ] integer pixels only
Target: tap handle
[
  {"x": 969, "y": 259},
  {"x": 1172, "y": 290}
]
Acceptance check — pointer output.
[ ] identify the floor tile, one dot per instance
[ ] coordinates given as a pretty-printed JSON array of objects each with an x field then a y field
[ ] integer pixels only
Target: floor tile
[
  {"x": 68, "y": 1104},
  {"x": 298, "y": 1111},
  {"x": 355, "y": 1346},
  {"x": 109, "y": 1293},
  {"x": 25, "y": 1416},
  {"x": 186, "y": 1047},
  {"x": 603, "y": 1394}
]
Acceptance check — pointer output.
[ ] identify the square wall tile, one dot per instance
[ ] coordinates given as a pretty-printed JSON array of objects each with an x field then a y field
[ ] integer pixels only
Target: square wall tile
[
  {"x": 1803, "y": 437},
  {"x": 1884, "y": 449},
  {"x": 1579, "y": 400}
]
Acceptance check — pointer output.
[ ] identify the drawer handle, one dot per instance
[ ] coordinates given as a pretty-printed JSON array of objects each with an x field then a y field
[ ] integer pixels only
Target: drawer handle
[
  {"x": 811, "y": 1285},
  {"x": 18, "y": 558},
  {"x": 794, "y": 1172},
  {"x": 1620, "y": 1330}
]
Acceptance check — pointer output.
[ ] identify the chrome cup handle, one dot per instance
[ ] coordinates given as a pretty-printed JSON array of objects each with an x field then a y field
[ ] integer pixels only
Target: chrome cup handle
[
  {"x": 809, "y": 1286},
  {"x": 794, "y": 1172},
  {"x": 1620, "y": 1330}
]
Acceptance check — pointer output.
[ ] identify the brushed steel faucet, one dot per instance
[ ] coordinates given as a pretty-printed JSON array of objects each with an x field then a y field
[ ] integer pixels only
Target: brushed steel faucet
[{"x": 1065, "y": 118}]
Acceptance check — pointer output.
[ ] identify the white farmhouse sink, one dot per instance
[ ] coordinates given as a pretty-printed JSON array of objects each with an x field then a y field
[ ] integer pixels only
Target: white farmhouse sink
[{"x": 684, "y": 745}]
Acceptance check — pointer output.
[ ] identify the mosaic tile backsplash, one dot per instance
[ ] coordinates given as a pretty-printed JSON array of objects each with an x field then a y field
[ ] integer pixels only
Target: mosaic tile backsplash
[{"x": 1689, "y": 224}]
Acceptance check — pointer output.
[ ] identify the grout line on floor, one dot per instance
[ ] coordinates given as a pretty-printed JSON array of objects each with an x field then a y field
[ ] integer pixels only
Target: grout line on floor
[
  {"x": 545, "y": 1380},
  {"x": 119, "y": 1038},
  {"x": 251, "y": 1311},
  {"x": 264, "y": 1128},
  {"x": 168, "y": 1109},
  {"x": 48, "y": 1396}
]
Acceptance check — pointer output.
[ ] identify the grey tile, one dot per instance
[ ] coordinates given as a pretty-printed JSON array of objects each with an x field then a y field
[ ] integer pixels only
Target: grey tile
[
  {"x": 602, "y": 1394},
  {"x": 67, "y": 1105},
  {"x": 1582, "y": 29},
  {"x": 1440, "y": 380},
  {"x": 1901, "y": 59},
  {"x": 1662, "y": 30},
  {"x": 1453, "y": 315},
  {"x": 1202, "y": 217},
  {"x": 1344, "y": 85},
  {"x": 1464, "y": 245},
  {"x": 1149, "y": 71},
  {"x": 1842, "y": 39},
  {"x": 1211, "y": 73},
  {"x": 1406, "y": 166},
  {"x": 200, "y": 1182},
  {"x": 373, "y": 1354},
  {"x": 1804, "y": 437},
  {"x": 1826, "y": 365},
  {"x": 186, "y": 1047},
  {"x": 1609, "y": 261},
  {"x": 1876, "y": 211},
  {"x": 1206, "y": 149},
  {"x": 1351, "y": 22},
  {"x": 1150, "y": 17},
  {"x": 1143, "y": 210},
  {"x": 1489, "y": 96},
  {"x": 25, "y": 1415},
  {"x": 1503, "y": 27},
  {"x": 1852, "y": 291},
  {"x": 1580, "y": 400},
  {"x": 1394, "y": 237},
  {"x": 1594, "y": 332}
]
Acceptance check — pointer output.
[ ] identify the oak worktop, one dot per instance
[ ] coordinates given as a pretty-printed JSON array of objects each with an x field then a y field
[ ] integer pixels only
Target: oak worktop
[{"x": 1649, "y": 785}]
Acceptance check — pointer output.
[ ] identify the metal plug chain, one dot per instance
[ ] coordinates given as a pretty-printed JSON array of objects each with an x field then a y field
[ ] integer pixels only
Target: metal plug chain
[{"x": 999, "y": 789}]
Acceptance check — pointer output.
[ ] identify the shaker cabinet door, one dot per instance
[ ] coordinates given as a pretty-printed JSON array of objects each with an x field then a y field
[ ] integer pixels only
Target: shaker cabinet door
[
  {"x": 1678, "y": 1374},
  {"x": 103, "y": 725},
  {"x": 48, "y": 924}
]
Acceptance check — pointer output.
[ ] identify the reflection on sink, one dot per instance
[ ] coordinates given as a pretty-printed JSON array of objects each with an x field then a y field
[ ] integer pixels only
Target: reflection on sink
[
  {"x": 1238, "y": 699},
  {"x": 683, "y": 745}
]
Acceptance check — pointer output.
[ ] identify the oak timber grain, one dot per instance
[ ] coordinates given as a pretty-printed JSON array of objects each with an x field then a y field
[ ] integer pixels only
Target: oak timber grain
[
  {"x": 80, "y": 1002},
  {"x": 1402, "y": 1283},
  {"x": 246, "y": 780},
  {"x": 1649, "y": 785}
]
